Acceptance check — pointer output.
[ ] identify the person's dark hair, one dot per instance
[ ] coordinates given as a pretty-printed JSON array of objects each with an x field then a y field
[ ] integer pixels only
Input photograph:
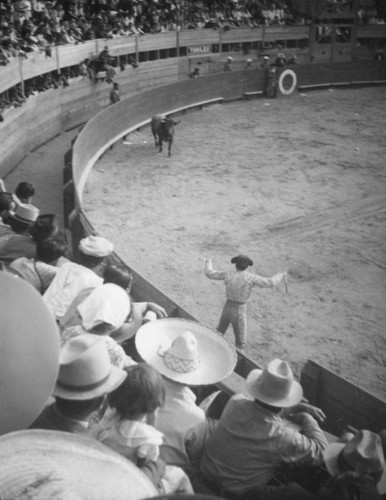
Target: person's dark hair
[
  {"x": 45, "y": 227},
  {"x": 18, "y": 226},
  {"x": 273, "y": 409},
  {"x": 90, "y": 261},
  {"x": 118, "y": 275},
  {"x": 24, "y": 190},
  {"x": 349, "y": 486},
  {"x": 241, "y": 266},
  {"x": 49, "y": 250},
  {"x": 6, "y": 201},
  {"x": 141, "y": 392},
  {"x": 75, "y": 408}
]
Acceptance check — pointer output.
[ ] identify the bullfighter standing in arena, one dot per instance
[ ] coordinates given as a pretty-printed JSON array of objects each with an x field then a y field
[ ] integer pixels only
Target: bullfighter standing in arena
[{"x": 239, "y": 284}]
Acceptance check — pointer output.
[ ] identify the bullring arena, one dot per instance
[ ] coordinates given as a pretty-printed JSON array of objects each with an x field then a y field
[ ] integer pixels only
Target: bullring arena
[{"x": 295, "y": 182}]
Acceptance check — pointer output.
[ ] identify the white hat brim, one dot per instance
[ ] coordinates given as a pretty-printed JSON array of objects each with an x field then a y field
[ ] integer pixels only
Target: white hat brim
[
  {"x": 293, "y": 397},
  {"x": 29, "y": 353},
  {"x": 217, "y": 356},
  {"x": 57, "y": 465}
]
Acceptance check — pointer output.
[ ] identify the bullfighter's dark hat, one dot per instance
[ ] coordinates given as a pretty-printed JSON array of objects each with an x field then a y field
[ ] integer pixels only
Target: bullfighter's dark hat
[{"x": 242, "y": 259}]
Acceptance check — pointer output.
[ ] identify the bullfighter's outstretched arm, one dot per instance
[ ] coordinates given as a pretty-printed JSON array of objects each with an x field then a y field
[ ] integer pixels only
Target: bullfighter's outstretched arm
[{"x": 211, "y": 273}]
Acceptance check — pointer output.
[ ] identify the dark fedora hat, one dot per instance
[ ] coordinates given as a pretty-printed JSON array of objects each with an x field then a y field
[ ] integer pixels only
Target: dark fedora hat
[{"x": 242, "y": 259}]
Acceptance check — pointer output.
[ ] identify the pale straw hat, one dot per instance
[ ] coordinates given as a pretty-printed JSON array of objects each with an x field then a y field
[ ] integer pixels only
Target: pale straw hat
[
  {"x": 49, "y": 465},
  {"x": 275, "y": 385},
  {"x": 363, "y": 454},
  {"x": 96, "y": 246},
  {"x": 27, "y": 213},
  {"x": 108, "y": 303},
  {"x": 186, "y": 351},
  {"x": 29, "y": 353},
  {"x": 85, "y": 370}
]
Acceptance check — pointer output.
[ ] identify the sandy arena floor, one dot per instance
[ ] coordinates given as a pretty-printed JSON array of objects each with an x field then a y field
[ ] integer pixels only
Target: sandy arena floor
[{"x": 297, "y": 183}]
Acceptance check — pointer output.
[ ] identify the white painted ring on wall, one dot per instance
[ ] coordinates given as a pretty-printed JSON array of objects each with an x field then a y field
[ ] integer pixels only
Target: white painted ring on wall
[{"x": 291, "y": 88}]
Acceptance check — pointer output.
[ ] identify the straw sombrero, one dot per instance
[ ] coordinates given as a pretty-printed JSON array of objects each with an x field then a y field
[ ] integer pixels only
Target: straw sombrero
[
  {"x": 60, "y": 465},
  {"x": 363, "y": 453},
  {"x": 29, "y": 353},
  {"x": 186, "y": 351},
  {"x": 275, "y": 385}
]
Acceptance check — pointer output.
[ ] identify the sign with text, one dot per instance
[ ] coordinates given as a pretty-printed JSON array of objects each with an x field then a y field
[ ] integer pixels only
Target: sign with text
[{"x": 199, "y": 50}]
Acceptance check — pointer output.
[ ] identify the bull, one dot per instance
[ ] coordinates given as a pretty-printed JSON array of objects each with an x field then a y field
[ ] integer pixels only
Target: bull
[{"x": 162, "y": 128}]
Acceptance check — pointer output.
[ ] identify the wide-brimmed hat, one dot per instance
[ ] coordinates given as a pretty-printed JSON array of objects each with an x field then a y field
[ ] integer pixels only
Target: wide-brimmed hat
[
  {"x": 363, "y": 454},
  {"x": 275, "y": 385},
  {"x": 85, "y": 370},
  {"x": 29, "y": 353},
  {"x": 186, "y": 351},
  {"x": 57, "y": 465},
  {"x": 26, "y": 213},
  {"x": 242, "y": 259},
  {"x": 96, "y": 246},
  {"x": 108, "y": 303}
]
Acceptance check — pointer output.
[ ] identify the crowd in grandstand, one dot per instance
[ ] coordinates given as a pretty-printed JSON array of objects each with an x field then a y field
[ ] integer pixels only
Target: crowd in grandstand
[
  {"x": 28, "y": 26},
  {"x": 129, "y": 378}
]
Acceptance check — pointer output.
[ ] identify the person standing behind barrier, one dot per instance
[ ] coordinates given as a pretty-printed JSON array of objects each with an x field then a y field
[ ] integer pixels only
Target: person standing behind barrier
[
  {"x": 114, "y": 93},
  {"x": 228, "y": 64},
  {"x": 271, "y": 88},
  {"x": 239, "y": 284}
]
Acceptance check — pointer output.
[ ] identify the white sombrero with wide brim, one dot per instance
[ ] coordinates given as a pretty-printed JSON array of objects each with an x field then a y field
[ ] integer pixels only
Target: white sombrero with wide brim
[
  {"x": 59, "y": 465},
  {"x": 215, "y": 359},
  {"x": 29, "y": 353}
]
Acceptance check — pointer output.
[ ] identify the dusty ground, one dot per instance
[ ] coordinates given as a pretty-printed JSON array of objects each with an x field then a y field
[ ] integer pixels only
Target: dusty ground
[{"x": 297, "y": 183}]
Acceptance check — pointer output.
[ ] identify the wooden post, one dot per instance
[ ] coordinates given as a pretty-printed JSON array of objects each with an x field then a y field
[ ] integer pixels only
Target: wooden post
[{"x": 21, "y": 74}]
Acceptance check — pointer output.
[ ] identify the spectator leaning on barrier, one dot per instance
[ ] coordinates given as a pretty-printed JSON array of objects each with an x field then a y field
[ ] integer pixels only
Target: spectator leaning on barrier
[{"x": 251, "y": 441}]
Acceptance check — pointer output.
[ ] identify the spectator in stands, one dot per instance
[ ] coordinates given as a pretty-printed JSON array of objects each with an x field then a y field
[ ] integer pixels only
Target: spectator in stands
[
  {"x": 292, "y": 60},
  {"x": 280, "y": 60},
  {"x": 114, "y": 93},
  {"x": 357, "y": 468},
  {"x": 15, "y": 240},
  {"x": 128, "y": 427},
  {"x": 40, "y": 271},
  {"x": 72, "y": 278},
  {"x": 103, "y": 312},
  {"x": 252, "y": 441},
  {"x": 45, "y": 227},
  {"x": 347, "y": 486},
  {"x": 265, "y": 62},
  {"x": 239, "y": 284},
  {"x": 105, "y": 56},
  {"x": 362, "y": 454},
  {"x": 7, "y": 207},
  {"x": 86, "y": 375},
  {"x": 195, "y": 357},
  {"x": 141, "y": 312}
]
